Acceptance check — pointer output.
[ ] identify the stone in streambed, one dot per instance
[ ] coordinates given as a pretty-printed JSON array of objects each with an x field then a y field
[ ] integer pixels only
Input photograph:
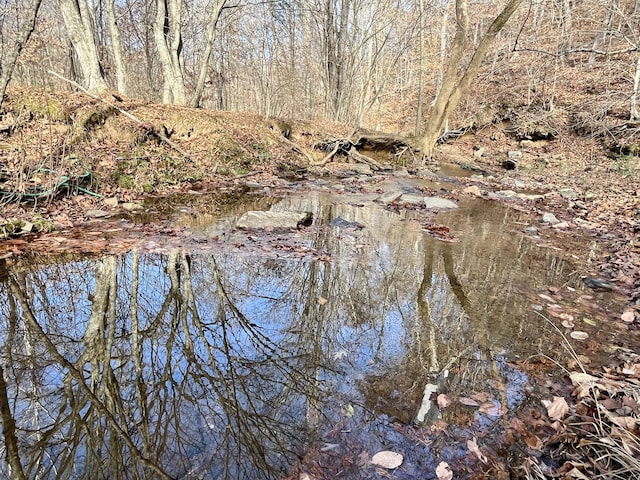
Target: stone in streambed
[{"x": 269, "y": 219}]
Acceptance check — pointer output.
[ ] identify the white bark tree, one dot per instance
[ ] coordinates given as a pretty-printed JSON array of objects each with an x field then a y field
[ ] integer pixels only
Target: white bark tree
[
  {"x": 167, "y": 32},
  {"x": 116, "y": 47},
  {"x": 80, "y": 26}
]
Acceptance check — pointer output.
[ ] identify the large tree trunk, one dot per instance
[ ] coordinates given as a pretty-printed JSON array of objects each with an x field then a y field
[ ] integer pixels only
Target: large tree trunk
[
  {"x": 635, "y": 113},
  {"x": 80, "y": 26},
  {"x": 116, "y": 46},
  {"x": 12, "y": 56},
  {"x": 453, "y": 89},
  {"x": 216, "y": 10},
  {"x": 167, "y": 32}
]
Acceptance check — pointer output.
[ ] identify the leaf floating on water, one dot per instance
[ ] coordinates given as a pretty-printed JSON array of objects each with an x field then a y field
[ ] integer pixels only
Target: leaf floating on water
[
  {"x": 491, "y": 409},
  {"x": 628, "y": 316},
  {"x": 350, "y": 411},
  {"x": 322, "y": 301},
  {"x": 387, "y": 459},
  {"x": 578, "y": 335},
  {"x": 443, "y": 471},
  {"x": 557, "y": 408},
  {"x": 589, "y": 321},
  {"x": 443, "y": 401},
  {"x": 472, "y": 445},
  {"x": 469, "y": 402}
]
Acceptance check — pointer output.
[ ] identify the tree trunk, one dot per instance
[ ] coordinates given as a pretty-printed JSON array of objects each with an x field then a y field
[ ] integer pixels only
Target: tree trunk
[
  {"x": 453, "y": 89},
  {"x": 12, "y": 56},
  {"x": 635, "y": 113},
  {"x": 80, "y": 26},
  {"x": 167, "y": 32},
  {"x": 216, "y": 10},
  {"x": 116, "y": 46}
]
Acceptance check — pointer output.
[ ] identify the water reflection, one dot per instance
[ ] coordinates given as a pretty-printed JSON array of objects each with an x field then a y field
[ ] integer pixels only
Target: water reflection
[{"x": 223, "y": 364}]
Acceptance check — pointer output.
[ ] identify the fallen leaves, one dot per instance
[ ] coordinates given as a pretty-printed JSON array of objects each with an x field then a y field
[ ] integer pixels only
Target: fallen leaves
[
  {"x": 472, "y": 445},
  {"x": 579, "y": 335},
  {"x": 556, "y": 409},
  {"x": 443, "y": 471},
  {"x": 387, "y": 459}
]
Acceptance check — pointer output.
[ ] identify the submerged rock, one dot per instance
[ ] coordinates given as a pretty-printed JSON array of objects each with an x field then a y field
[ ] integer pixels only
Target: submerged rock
[
  {"x": 389, "y": 197},
  {"x": 549, "y": 218},
  {"x": 286, "y": 220},
  {"x": 412, "y": 198},
  {"x": 440, "y": 203}
]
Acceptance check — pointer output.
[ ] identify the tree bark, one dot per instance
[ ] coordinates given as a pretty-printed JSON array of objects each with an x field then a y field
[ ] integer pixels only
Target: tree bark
[
  {"x": 21, "y": 41},
  {"x": 635, "y": 113},
  {"x": 453, "y": 89},
  {"x": 167, "y": 32},
  {"x": 80, "y": 26},
  {"x": 116, "y": 46},
  {"x": 216, "y": 10}
]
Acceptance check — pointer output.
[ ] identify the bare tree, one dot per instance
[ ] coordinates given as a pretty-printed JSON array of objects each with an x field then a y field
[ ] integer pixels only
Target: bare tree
[
  {"x": 7, "y": 66},
  {"x": 454, "y": 86},
  {"x": 116, "y": 46},
  {"x": 167, "y": 32},
  {"x": 215, "y": 11},
  {"x": 80, "y": 25}
]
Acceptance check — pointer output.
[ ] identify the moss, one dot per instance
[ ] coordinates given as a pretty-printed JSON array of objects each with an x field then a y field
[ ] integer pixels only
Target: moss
[
  {"x": 11, "y": 227},
  {"x": 51, "y": 109},
  {"x": 42, "y": 224},
  {"x": 126, "y": 181}
]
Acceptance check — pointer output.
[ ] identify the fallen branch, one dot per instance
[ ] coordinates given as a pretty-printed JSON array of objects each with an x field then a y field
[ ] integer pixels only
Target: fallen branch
[
  {"x": 126, "y": 114},
  {"x": 298, "y": 149}
]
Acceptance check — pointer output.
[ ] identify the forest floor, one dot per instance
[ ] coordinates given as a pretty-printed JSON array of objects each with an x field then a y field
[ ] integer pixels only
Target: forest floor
[{"x": 67, "y": 159}]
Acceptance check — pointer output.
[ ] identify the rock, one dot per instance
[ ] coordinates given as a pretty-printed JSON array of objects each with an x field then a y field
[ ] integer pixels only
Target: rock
[
  {"x": 531, "y": 230},
  {"x": 402, "y": 172},
  {"x": 111, "y": 202},
  {"x": 568, "y": 193},
  {"x": 598, "y": 284},
  {"x": 476, "y": 178},
  {"x": 514, "y": 155},
  {"x": 439, "y": 203},
  {"x": 507, "y": 193},
  {"x": 389, "y": 197},
  {"x": 530, "y": 196},
  {"x": 269, "y": 219},
  {"x": 424, "y": 172},
  {"x": 129, "y": 206},
  {"x": 561, "y": 225},
  {"x": 549, "y": 218},
  {"x": 97, "y": 213},
  {"x": 253, "y": 185},
  {"x": 526, "y": 143},
  {"x": 411, "y": 198},
  {"x": 27, "y": 227},
  {"x": 473, "y": 190},
  {"x": 520, "y": 184},
  {"x": 478, "y": 153},
  {"x": 361, "y": 169}
]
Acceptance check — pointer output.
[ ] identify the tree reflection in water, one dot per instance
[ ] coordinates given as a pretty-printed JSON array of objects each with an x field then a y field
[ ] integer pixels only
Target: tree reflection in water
[
  {"x": 223, "y": 365},
  {"x": 138, "y": 374}
]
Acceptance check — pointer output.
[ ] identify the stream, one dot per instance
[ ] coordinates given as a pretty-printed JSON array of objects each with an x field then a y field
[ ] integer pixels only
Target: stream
[{"x": 222, "y": 353}]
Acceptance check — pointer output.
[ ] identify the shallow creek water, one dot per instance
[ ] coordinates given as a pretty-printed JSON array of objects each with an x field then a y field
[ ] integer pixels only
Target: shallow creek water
[{"x": 235, "y": 353}]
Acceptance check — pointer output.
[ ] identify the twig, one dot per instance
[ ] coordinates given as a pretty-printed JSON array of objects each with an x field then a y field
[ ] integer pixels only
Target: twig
[{"x": 125, "y": 113}]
